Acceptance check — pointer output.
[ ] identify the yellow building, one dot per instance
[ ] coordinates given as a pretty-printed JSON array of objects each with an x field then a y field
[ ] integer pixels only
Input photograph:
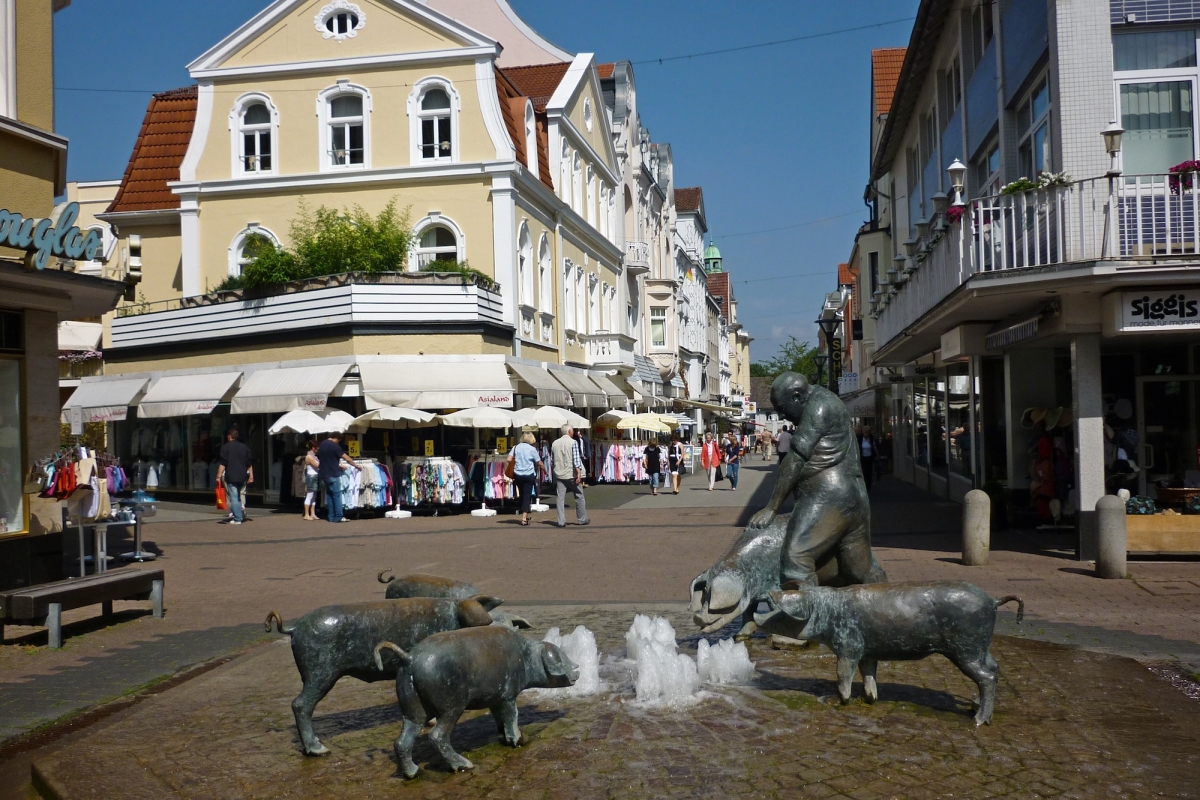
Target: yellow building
[
  {"x": 510, "y": 169},
  {"x": 38, "y": 287}
]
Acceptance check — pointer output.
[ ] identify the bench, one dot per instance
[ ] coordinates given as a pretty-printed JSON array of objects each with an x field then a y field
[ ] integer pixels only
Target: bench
[{"x": 44, "y": 603}]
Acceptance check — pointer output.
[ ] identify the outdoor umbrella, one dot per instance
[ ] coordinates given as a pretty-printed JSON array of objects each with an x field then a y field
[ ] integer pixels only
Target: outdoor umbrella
[
  {"x": 548, "y": 417},
  {"x": 335, "y": 420},
  {"x": 647, "y": 422},
  {"x": 483, "y": 417},
  {"x": 392, "y": 418},
  {"x": 299, "y": 421},
  {"x": 612, "y": 417}
]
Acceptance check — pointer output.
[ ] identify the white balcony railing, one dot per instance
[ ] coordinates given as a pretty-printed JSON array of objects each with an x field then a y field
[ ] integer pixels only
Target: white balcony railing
[
  {"x": 637, "y": 256},
  {"x": 609, "y": 349},
  {"x": 1126, "y": 218}
]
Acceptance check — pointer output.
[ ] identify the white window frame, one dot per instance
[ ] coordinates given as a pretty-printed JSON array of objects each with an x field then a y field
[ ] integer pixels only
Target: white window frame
[
  {"x": 580, "y": 300},
  {"x": 324, "y": 100},
  {"x": 435, "y": 219},
  {"x": 1166, "y": 75},
  {"x": 8, "y": 59},
  {"x": 1026, "y": 136},
  {"x": 577, "y": 184},
  {"x": 332, "y": 10},
  {"x": 564, "y": 173},
  {"x": 652, "y": 317},
  {"x": 416, "y": 115},
  {"x": 593, "y": 302},
  {"x": 236, "y": 261},
  {"x": 526, "y": 297},
  {"x": 531, "y": 148},
  {"x": 545, "y": 276},
  {"x": 568, "y": 295},
  {"x": 237, "y": 129},
  {"x": 591, "y": 196}
]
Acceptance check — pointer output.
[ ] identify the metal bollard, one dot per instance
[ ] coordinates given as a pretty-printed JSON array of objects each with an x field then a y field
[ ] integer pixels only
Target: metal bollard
[
  {"x": 1113, "y": 544},
  {"x": 156, "y": 598},
  {"x": 977, "y": 528},
  {"x": 54, "y": 625}
]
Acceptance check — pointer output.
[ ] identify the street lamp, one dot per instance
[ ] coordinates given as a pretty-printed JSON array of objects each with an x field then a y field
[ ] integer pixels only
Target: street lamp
[
  {"x": 1112, "y": 144},
  {"x": 958, "y": 176},
  {"x": 923, "y": 229},
  {"x": 820, "y": 359},
  {"x": 940, "y": 202},
  {"x": 901, "y": 265},
  {"x": 829, "y": 326}
]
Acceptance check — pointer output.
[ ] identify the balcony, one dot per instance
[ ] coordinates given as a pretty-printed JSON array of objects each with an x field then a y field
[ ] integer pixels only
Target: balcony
[
  {"x": 1133, "y": 221},
  {"x": 611, "y": 350},
  {"x": 637, "y": 257},
  {"x": 380, "y": 302}
]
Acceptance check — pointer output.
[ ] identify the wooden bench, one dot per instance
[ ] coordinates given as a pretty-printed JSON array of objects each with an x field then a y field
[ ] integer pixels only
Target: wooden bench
[{"x": 43, "y": 604}]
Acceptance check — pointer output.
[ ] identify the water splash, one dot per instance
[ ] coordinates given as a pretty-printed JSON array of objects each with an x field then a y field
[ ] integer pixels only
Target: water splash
[
  {"x": 664, "y": 676},
  {"x": 725, "y": 662},
  {"x": 580, "y": 647}
]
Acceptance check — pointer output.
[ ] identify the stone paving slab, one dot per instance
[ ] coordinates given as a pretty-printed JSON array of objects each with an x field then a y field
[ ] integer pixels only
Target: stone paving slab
[{"x": 1069, "y": 723}]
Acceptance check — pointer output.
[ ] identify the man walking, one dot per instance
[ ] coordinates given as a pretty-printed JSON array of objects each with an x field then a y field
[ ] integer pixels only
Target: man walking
[
  {"x": 783, "y": 442},
  {"x": 568, "y": 475},
  {"x": 867, "y": 448},
  {"x": 331, "y": 456},
  {"x": 235, "y": 469}
]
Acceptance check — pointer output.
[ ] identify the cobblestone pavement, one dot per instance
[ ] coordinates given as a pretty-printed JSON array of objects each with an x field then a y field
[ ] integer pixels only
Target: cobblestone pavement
[{"x": 1069, "y": 723}]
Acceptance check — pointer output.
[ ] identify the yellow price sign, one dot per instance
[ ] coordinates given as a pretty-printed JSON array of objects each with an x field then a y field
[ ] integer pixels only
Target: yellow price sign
[
  {"x": 429, "y": 447},
  {"x": 501, "y": 443},
  {"x": 354, "y": 448}
]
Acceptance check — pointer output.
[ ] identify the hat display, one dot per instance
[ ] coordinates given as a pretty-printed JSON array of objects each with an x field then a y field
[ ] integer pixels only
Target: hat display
[
  {"x": 1067, "y": 418},
  {"x": 1032, "y": 416},
  {"x": 1053, "y": 417}
]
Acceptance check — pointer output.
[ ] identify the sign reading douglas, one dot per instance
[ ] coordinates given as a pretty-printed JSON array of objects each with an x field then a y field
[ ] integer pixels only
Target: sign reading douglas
[
  {"x": 42, "y": 238},
  {"x": 1147, "y": 311}
]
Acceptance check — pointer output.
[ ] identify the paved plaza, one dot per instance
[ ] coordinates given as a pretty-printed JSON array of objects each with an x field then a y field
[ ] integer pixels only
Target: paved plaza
[{"x": 151, "y": 703}]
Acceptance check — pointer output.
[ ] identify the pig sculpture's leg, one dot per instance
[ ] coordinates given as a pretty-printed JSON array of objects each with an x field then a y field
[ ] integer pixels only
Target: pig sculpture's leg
[
  {"x": 440, "y": 736},
  {"x": 867, "y": 667},
  {"x": 404, "y": 747},
  {"x": 846, "y": 665},
  {"x": 314, "y": 690},
  {"x": 983, "y": 671},
  {"x": 506, "y": 720}
]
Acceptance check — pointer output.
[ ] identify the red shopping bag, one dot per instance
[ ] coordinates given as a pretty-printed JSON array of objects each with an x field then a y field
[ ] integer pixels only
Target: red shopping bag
[{"x": 222, "y": 500}]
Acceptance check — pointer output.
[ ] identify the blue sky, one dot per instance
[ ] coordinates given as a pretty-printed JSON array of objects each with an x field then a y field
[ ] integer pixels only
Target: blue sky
[{"x": 777, "y": 136}]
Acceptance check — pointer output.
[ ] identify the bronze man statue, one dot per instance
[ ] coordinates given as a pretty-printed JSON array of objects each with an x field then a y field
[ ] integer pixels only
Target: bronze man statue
[{"x": 832, "y": 514}]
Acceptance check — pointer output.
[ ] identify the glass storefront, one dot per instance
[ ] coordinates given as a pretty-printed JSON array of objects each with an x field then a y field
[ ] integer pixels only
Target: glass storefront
[
  {"x": 936, "y": 391},
  {"x": 921, "y": 421},
  {"x": 958, "y": 420},
  {"x": 12, "y": 463}
]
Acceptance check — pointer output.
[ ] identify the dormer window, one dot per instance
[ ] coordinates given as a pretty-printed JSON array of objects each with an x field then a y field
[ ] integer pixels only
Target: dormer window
[
  {"x": 340, "y": 20},
  {"x": 436, "y": 141},
  {"x": 531, "y": 150}
]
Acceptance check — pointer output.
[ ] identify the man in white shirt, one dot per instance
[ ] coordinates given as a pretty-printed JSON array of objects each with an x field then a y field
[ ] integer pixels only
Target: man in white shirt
[
  {"x": 568, "y": 474},
  {"x": 783, "y": 442}
]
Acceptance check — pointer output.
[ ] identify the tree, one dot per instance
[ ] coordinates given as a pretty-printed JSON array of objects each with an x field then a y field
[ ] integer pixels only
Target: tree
[{"x": 793, "y": 356}]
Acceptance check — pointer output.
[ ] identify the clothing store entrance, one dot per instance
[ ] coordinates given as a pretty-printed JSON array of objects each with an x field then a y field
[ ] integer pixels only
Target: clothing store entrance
[{"x": 1166, "y": 425}]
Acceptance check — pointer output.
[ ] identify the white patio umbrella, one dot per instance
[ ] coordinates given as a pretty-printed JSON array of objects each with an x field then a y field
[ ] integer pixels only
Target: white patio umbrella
[
  {"x": 483, "y": 417},
  {"x": 647, "y": 422},
  {"x": 335, "y": 419},
  {"x": 612, "y": 417},
  {"x": 550, "y": 417},
  {"x": 299, "y": 421},
  {"x": 392, "y": 418}
]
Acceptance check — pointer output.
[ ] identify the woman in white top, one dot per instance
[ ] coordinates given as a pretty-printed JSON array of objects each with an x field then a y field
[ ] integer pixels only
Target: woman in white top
[
  {"x": 311, "y": 467},
  {"x": 526, "y": 461}
]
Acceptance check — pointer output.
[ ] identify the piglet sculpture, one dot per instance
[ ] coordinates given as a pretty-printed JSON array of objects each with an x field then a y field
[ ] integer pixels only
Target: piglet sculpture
[
  {"x": 420, "y": 584},
  {"x": 467, "y": 669},
  {"x": 866, "y": 624},
  {"x": 334, "y": 641}
]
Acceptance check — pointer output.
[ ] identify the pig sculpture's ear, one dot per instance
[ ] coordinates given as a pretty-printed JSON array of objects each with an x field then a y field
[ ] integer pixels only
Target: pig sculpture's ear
[
  {"x": 554, "y": 660},
  {"x": 471, "y": 614},
  {"x": 487, "y": 601}
]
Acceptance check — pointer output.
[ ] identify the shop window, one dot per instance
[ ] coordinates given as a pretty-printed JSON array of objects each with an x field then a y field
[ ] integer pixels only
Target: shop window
[
  {"x": 959, "y": 434},
  {"x": 437, "y": 243},
  {"x": 11, "y": 338}
]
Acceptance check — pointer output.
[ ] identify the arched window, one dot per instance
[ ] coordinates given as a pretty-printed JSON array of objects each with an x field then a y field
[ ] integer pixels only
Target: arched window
[
  {"x": 593, "y": 304},
  {"x": 436, "y": 139},
  {"x": 602, "y": 211},
  {"x": 436, "y": 243},
  {"x": 564, "y": 173},
  {"x": 577, "y": 184},
  {"x": 580, "y": 300},
  {"x": 340, "y": 20},
  {"x": 531, "y": 149},
  {"x": 545, "y": 279},
  {"x": 247, "y": 245},
  {"x": 569, "y": 295},
  {"x": 256, "y": 138},
  {"x": 591, "y": 196},
  {"x": 346, "y": 132},
  {"x": 525, "y": 267}
]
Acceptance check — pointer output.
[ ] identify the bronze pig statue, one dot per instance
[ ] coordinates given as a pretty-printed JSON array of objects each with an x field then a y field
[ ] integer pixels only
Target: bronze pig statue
[
  {"x": 420, "y": 584},
  {"x": 451, "y": 672},
  {"x": 334, "y": 641},
  {"x": 865, "y": 624}
]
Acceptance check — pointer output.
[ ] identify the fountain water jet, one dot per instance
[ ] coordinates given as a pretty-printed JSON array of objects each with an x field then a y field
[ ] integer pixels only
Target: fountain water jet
[
  {"x": 580, "y": 647},
  {"x": 724, "y": 662},
  {"x": 664, "y": 677}
]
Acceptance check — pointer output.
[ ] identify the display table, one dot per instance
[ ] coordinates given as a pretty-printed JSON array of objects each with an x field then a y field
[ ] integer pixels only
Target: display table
[{"x": 1163, "y": 533}]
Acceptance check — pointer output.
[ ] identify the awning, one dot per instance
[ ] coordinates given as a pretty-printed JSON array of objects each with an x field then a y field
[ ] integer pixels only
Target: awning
[
  {"x": 79, "y": 336},
  {"x": 710, "y": 406},
  {"x": 436, "y": 384},
  {"x": 549, "y": 391},
  {"x": 270, "y": 391},
  {"x": 616, "y": 398},
  {"x": 105, "y": 400},
  {"x": 186, "y": 395},
  {"x": 645, "y": 371},
  {"x": 861, "y": 403},
  {"x": 584, "y": 393}
]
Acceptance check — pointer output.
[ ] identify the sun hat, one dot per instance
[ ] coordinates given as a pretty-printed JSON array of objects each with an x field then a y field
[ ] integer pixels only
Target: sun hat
[{"x": 1053, "y": 417}]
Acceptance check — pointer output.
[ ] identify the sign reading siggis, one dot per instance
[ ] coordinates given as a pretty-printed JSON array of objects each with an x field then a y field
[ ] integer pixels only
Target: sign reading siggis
[
  {"x": 1145, "y": 311},
  {"x": 42, "y": 238}
]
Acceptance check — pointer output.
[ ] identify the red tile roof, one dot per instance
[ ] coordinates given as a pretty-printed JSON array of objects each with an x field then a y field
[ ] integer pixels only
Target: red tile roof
[
  {"x": 885, "y": 74},
  {"x": 721, "y": 290},
  {"x": 605, "y": 70},
  {"x": 512, "y": 105},
  {"x": 689, "y": 199},
  {"x": 161, "y": 146},
  {"x": 537, "y": 82},
  {"x": 845, "y": 275}
]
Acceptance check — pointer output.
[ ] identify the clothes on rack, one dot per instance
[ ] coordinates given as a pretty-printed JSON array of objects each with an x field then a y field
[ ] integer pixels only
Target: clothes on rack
[
  {"x": 619, "y": 462},
  {"x": 487, "y": 478},
  {"x": 369, "y": 486},
  {"x": 438, "y": 480}
]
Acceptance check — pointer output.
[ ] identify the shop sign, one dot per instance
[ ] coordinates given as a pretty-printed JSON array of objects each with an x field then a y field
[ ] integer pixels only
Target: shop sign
[
  {"x": 41, "y": 238},
  {"x": 429, "y": 447},
  {"x": 1154, "y": 311},
  {"x": 917, "y": 370},
  {"x": 502, "y": 444},
  {"x": 354, "y": 448},
  {"x": 498, "y": 400},
  {"x": 751, "y": 408}
]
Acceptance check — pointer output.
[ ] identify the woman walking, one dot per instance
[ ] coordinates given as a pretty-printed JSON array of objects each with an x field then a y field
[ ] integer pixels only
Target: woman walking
[
  {"x": 675, "y": 461},
  {"x": 733, "y": 459},
  {"x": 311, "y": 466},
  {"x": 526, "y": 461},
  {"x": 710, "y": 459}
]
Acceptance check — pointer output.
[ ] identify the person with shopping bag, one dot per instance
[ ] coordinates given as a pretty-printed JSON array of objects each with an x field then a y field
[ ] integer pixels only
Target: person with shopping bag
[
  {"x": 524, "y": 462},
  {"x": 710, "y": 459}
]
